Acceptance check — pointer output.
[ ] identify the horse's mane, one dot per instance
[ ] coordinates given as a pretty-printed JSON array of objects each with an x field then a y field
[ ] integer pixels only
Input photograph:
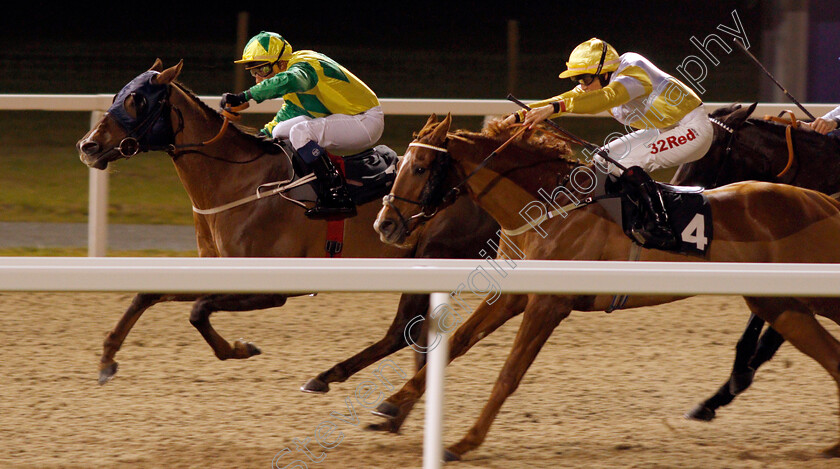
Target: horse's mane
[{"x": 246, "y": 132}]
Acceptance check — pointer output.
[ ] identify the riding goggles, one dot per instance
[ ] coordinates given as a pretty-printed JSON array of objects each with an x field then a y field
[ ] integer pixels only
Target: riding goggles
[
  {"x": 584, "y": 80},
  {"x": 263, "y": 70}
]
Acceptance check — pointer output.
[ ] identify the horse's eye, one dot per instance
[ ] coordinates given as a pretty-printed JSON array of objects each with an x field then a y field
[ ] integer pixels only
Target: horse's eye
[
  {"x": 139, "y": 102},
  {"x": 135, "y": 104},
  {"x": 419, "y": 170}
]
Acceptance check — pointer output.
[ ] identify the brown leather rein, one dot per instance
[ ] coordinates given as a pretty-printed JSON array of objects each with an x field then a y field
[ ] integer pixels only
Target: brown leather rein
[{"x": 792, "y": 123}]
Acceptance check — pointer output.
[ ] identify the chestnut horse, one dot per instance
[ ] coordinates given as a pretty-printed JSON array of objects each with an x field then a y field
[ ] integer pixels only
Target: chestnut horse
[
  {"x": 754, "y": 222},
  {"x": 745, "y": 149},
  {"x": 230, "y": 168}
]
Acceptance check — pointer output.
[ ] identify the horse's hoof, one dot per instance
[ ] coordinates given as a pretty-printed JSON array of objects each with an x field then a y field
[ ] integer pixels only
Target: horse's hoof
[
  {"x": 701, "y": 413},
  {"x": 832, "y": 451},
  {"x": 253, "y": 349},
  {"x": 244, "y": 349},
  {"x": 450, "y": 456},
  {"x": 107, "y": 372},
  {"x": 739, "y": 382},
  {"x": 315, "y": 386},
  {"x": 386, "y": 426},
  {"x": 387, "y": 410}
]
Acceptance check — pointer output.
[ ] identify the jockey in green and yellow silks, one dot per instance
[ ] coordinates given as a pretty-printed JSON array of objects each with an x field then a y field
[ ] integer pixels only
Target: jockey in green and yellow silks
[{"x": 325, "y": 108}]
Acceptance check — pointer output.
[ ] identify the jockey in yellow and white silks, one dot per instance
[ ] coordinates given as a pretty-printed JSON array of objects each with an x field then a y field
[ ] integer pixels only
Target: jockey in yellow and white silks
[
  {"x": 672, "y": 126},
  {"x": 325, "y": 108}
]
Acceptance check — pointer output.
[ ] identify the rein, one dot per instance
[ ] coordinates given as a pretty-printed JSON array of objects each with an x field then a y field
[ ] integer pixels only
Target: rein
[
  {"x": 389, "y": 199},
  {"x": 451, "y": 193},
  {"x": 790, "y": 124}
]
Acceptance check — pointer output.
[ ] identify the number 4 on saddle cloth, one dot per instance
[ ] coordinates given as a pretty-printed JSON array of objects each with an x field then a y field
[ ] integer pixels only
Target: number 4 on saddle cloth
[
  {"x": 369, "y": 176},
  {"x": 689, "y": 214}
]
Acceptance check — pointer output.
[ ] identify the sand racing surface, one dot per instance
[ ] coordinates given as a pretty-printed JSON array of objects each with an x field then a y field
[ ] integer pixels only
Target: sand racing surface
[{"x": 606, "y": 391}]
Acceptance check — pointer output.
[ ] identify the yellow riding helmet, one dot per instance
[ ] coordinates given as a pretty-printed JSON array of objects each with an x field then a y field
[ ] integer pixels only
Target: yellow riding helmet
[
  {"x": 591, "y": 57},
  {"x": 266, "y": 47}
]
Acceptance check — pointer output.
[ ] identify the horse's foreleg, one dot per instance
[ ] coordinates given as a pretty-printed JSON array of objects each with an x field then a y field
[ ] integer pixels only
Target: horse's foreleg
[
  {"x": 538, "y": 322},
  {"x": 115, "y": 338},
  {"x": 750, "y": 353},
  {"x": 207, "y": 305},
  {"x": 744, "y": 350},
  {"x": 486, "y": 319},
  {"x": 410, "y": 307}
]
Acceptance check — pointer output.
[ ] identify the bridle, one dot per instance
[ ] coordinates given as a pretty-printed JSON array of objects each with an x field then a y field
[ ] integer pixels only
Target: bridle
[
  {"x": 727, "y": 154},
  {"x": 433, "y": 197},
  {"x": 154, "y": 132}
]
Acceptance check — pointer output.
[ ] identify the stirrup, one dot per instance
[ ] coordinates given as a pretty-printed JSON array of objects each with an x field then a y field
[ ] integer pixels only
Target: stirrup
[
  {"x": 332, "y": 206},
  {"x": 323, "y": 213}
]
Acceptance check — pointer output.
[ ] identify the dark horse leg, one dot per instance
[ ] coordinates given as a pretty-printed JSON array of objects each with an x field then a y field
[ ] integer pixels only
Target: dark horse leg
[
  {"x": 115, "y": 338},
  {"x": 411, "y": 306},
  {"x": 207, "y": 305},
  {"x": 203, "y": 307},
  {"x": 750, "y": 353}
]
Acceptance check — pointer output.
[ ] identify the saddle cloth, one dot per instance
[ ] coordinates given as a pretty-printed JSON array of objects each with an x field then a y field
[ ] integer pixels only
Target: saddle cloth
[{"x": 688, "y": 210}]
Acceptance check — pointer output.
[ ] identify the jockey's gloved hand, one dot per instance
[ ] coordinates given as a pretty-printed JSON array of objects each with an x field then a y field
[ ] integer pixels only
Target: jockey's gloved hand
[{"x": 233, "y": 100}]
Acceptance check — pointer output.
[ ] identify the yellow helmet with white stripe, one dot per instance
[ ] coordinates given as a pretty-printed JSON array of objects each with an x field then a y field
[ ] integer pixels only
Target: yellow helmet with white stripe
[
  {"x": 266, "y": 47},
  {"x": 592, "y": 57}
]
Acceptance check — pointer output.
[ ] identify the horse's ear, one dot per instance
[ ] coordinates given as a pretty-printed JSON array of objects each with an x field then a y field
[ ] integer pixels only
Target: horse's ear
[
  {"x": 170, "y": 74},
  {"x": 442, "y": 128},
  {"x": 737, "y": 118},
  {"x": 157, "y": 66},
  {"x": 431, "y": 120}
]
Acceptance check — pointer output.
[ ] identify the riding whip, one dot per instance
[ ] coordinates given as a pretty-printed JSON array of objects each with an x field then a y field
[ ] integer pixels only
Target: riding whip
[
  {"x": 589, "y": 146},
  {"x": 749, "y": 54}
]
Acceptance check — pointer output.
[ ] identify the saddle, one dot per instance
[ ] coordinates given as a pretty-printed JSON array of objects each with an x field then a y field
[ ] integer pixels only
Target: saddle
[
  {"x": 688, "y": 210},
  {"x": 369, "y": 174}
]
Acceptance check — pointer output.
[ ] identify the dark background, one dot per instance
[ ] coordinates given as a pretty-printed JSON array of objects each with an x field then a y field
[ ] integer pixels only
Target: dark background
[{"x": 402, "y": 50}]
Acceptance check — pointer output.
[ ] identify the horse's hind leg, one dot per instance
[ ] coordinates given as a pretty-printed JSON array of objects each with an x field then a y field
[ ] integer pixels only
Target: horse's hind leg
[
  {"x": 207, "y": 305},
  {"x": 410, "y": 307},
  {"x": 115, "y": 338},
  {"x": 810, "y": 337}
]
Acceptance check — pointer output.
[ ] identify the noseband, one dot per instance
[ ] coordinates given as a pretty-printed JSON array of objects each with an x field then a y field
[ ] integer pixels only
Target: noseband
[
  {"x": 151, "y": 132},
  {"x": 433, "y": 195},
  {"x": 154, "y": 131}
]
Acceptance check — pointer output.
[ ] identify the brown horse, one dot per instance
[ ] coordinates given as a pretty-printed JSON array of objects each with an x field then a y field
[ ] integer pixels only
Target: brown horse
[
  {"x": 745, "y": 149},
  {"x": 754, "y": 222},
  {"x": 169, "y": 117}
]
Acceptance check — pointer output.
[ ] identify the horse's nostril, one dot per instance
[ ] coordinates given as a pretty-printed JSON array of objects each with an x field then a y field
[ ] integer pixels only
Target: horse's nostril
[
  {"x": 90, "y": 148},
  {"x": 386, "y": 227}
]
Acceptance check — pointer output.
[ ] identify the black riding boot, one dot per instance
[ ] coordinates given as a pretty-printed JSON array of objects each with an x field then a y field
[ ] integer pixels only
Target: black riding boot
[
  {"x": 333, "y": 199},
  {"x": 656, "y": 228}
]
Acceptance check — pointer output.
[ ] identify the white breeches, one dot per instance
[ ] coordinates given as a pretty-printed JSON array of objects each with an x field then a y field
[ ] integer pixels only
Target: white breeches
[
  {"x": 336, "y": 133},
  {"x": 654, "y": 148}
]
